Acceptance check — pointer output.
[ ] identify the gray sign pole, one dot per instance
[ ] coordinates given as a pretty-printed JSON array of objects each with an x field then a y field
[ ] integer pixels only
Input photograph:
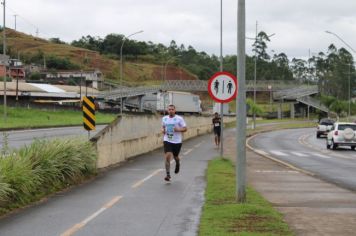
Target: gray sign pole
[
  {"x": 221, "y": 69},
  {"x": 241, "y": 105}
]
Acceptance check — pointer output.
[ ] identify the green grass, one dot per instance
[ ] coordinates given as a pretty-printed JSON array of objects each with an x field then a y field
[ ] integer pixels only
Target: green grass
[
  {"x": 34, "y": 118},
  {"x": 223, "y": 216}
]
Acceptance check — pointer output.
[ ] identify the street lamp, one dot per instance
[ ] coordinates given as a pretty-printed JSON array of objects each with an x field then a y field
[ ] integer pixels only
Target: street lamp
[
  {"x": 121, "y": 65},
  {"x": 337, "y": 36},
  {"x": 255, "y": 75}
]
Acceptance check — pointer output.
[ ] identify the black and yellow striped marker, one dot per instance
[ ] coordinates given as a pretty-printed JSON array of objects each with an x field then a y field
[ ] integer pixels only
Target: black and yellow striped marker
[{"x": 89, "y": 113}]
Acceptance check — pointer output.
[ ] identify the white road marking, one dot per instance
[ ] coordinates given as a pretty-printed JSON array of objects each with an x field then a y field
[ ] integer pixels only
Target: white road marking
[
  {"x": 80, "y": 225},
  {"x": 278, "y": 153},
  {"x": 320, "y": 155},
  {"x": 197, "y": 145},
  {"x": 187, "y": 152},
  {"x": 331, "y": 154},
  {"x": 299, "y": 154},
  {"x": 140, "y": 182}
]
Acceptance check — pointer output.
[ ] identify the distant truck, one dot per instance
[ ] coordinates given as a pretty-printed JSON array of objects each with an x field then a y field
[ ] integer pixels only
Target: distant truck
[
  {"x": 217, "y": 108},
  {"x": 183, "y": 101}
]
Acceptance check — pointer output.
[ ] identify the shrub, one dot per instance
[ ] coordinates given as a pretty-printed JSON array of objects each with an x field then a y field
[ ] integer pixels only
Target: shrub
[{"x": 43, "y": 167}]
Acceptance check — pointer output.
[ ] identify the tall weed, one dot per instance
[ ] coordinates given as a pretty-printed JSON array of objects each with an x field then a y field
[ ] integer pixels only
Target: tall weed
[{"x": 43, "y": 167}]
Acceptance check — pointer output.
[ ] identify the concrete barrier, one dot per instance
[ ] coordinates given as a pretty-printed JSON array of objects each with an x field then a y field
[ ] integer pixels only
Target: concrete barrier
[{"x": 129, "y": 136}]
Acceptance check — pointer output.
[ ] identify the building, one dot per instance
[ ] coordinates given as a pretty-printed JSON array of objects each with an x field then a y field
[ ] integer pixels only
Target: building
[
  {"x": 89, "y": 77},
  {"x": 14, "y": 68}
]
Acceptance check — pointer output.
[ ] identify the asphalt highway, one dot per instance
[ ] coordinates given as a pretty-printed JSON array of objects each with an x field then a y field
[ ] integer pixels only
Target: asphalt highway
[
  {"x": 132, "y": 199},
  {"x": 301, "y": 148}
]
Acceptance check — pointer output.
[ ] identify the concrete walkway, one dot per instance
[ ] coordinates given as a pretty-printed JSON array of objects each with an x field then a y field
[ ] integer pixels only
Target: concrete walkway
[{"x": 310, "y": 206}]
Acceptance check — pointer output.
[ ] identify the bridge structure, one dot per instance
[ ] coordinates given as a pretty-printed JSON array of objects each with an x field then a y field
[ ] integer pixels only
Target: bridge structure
[
  {"x": 302, "y": 97},
  {"x": 280, "y": 91}
]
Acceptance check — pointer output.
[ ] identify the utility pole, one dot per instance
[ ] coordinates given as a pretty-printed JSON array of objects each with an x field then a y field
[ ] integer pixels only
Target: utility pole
[
  {"x": 15, "y": 20},
  {"x": 221, "y": 69},
  {"x": 254, "y": 81},
  {"x": 349, "y": 113},
  {"x": 5, "y": 62},
  {"x": 241, "y": 104}
]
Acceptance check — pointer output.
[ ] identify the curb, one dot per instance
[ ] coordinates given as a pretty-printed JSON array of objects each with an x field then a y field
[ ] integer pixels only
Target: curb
[{"x": 265, "y": 155}]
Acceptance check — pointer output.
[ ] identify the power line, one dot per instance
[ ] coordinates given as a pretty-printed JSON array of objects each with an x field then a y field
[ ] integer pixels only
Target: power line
[{"x": 23, "y": 18}]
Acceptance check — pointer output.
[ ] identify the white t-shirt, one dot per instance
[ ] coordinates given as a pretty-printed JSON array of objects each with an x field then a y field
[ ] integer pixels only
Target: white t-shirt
[{"x": 169, "y": 123}]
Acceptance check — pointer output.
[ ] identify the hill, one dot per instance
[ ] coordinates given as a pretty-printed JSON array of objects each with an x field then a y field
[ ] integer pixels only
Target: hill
[{"x": 135, "y": 72}]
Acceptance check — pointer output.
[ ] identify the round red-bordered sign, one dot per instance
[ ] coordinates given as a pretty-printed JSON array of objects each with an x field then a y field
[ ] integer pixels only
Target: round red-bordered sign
[{"x": 222, "y": 87}]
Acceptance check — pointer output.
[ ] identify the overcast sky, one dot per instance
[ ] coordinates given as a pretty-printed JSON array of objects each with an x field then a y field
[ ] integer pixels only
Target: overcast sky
[{"x": 298, "y": 25}]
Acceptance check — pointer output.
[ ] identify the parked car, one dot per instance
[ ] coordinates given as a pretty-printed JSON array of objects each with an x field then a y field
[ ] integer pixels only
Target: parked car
[
  {"x": 324, "y": 127},
  {"x": 341, "y": 134}
]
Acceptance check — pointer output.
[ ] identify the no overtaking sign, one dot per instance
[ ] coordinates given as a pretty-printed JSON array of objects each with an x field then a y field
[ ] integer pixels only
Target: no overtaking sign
[{"x": 222, "y": 87}]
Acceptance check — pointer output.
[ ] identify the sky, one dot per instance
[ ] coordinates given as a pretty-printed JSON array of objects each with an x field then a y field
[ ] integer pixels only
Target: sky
[{"x": 298, "y": 26}]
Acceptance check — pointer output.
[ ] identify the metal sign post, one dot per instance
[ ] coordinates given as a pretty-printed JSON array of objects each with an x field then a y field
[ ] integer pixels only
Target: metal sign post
[{"x": 241, "y": 107}]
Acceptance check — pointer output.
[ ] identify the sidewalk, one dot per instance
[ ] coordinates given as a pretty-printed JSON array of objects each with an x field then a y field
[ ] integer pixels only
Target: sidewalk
[{"x": 310, "y": 206}]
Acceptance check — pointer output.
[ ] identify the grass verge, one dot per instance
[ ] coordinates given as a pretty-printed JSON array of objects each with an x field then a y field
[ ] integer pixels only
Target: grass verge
[
  {"x": 35, "y": 118},
  {"x": 223, "y": 216}
]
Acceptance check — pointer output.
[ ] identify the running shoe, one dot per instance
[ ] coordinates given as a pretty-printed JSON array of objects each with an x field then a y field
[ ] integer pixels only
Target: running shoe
[
  {"x": 176, "y": 170},
  {"x": 167, "y": 178}
]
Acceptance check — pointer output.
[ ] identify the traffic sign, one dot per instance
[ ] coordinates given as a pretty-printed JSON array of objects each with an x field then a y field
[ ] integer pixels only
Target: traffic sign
[
  {"x": 222, "y": 87},
  {"x": 89, "y": 113}
]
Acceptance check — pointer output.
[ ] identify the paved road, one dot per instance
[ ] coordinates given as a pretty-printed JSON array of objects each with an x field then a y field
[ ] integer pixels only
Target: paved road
[
  {"x": 132, "y": 199},
  {"x": 19, "y": 138},
  {"x": 301, "y": 148}
]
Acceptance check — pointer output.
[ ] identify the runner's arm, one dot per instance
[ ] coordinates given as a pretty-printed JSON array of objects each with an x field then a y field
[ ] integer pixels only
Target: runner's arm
[{"x": 180, "y": 129}]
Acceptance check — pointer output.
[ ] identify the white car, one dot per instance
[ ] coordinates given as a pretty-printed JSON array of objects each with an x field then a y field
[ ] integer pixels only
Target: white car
[
  {"x": 341, "y": 134},
  {"x": 324, "y": 127}
]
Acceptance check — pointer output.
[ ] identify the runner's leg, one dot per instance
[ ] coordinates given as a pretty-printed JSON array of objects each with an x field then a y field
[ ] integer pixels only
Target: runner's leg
[
  {"x": 168, "y": 157},
  {"x": 176, "y": 150}
]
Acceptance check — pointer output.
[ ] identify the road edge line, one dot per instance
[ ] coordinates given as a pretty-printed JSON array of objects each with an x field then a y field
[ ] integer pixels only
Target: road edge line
[{"x": 274, "y": 159}]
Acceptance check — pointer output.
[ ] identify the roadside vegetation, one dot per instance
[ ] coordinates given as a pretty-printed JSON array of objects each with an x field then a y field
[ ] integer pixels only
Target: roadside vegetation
[
  {"x": 42, "y": 168},
  {"x": 222, "y": 215},
  {"x": 37, "y": 118}
]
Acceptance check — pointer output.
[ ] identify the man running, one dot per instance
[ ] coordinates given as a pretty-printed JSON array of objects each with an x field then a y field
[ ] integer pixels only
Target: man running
[
  {"x": 217, "y": 128},
  {"x": 172, "y": 127}
]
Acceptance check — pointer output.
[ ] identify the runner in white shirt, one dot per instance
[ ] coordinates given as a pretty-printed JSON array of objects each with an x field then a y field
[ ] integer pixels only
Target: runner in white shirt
[{"x": 172, "y": 127}]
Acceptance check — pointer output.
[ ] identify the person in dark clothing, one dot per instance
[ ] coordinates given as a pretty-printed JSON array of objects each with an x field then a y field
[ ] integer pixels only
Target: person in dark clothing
[{"x": 217, "y": 128}]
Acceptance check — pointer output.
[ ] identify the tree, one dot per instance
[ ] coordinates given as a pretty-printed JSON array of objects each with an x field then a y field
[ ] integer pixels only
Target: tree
[
  {"x": 260, "y": 46},
  {"x": 299, "y": 69}
]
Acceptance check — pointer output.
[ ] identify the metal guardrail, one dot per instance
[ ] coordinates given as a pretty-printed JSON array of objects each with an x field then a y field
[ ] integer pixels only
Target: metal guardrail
[
  {"x": 128, "y": 92},
  {"x": 295, "y": 93},
  {"x": 313, "y": 102},
  {"x": 200, "y": 85}
]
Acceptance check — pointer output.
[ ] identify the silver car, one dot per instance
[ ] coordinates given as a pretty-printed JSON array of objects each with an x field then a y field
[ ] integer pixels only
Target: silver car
[
  {"x": 341, "y": 134},
  {"x": 324, "y": 127}
]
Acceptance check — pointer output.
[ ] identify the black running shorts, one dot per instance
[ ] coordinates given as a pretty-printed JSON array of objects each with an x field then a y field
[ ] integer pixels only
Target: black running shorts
[
  {"x": 172, "y": 147},
  {"x": 217, "y": 131}
]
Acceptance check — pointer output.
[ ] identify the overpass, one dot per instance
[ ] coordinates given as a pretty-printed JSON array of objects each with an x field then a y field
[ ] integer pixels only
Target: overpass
[{"x": 280, "y": 88}]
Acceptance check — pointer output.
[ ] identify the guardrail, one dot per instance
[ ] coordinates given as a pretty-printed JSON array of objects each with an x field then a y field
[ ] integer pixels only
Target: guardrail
[{"x": 200, "y": 85}]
